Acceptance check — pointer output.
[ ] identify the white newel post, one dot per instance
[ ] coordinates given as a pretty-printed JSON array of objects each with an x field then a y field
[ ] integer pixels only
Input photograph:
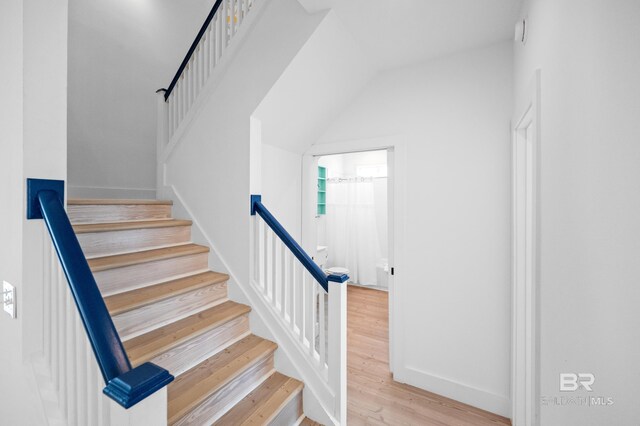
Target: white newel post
[
  {"x": 337, "y": 359},
  {"x": 162, "y": 129},
  {"x": 151, "y": 411}
]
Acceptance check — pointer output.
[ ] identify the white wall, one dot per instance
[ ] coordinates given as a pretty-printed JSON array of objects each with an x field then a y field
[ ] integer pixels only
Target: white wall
[
  {"x": 33, "y": 69},
  {"x": 209, "y": 168},
  {"x": 454, "y": 288},
  {"x": 322, "y": 79},
  {"x": 120, "y": 53},
  {"x": 282, "y": 184},
  {"x": 588, "y": 54}
]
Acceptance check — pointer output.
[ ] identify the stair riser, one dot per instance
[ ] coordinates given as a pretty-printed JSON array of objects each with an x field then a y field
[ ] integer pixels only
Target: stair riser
[
  {"x": 142, "y": 320},
  {"x": 97, "y": 244},
  {"x": 290, "y": 413},
  {"x": 116, "y": 280},
  {"x": 116, "y": 213},
  {"x": 188, "y": 354},
  {"x": 216, "y": 405}
]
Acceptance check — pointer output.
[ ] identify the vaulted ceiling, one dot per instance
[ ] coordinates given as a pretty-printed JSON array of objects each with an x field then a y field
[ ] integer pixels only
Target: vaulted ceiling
[{"x": 395, "y": 33}]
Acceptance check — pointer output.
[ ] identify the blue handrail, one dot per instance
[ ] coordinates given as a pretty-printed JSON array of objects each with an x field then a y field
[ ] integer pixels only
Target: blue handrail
[
  {"x": 192, "y": 49},
  {"x": 126, "y": 385},
  {"x": 287, "y": 239}
]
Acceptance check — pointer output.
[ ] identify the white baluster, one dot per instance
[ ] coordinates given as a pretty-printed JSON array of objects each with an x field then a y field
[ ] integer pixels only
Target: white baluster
[
  {"x": 291, "y": 289},
  {"x": 337, "y": 354},
  {"x": 62, "y": 345},
  {"x": 206, "y": 53},
  {"x": 322, "y": 344},
  {"x": 91, "y": 386},
  {"x": 265, "y": 248},
  {"x": 190, "y": 82},
  {"x": 169, "y": 103},
  {"x": 71, "y": 361},
  {"x": 225, "y": 31},
  {"x": 179, "y": 101},
  {"x": 214, "y": 42},
  {"x": 55, "y": 329},
  {"x": 234, "y": 17},
  {"x": 304, "y": 309},
  {"x": 241, "y": 11},
  {"x": 256, "y": 248},
  {"x": 203, "y": 61},
  {"x": 274, "y": 267},
  {"x": 283, "y": 278},
  {"x": 102, "y": 403},
  {"x": 82, "y": 363},
  {"x": 173, "y": 99},
  {"x": 195, "y": 63},
  {"x": 183, "y": 95},
  {"x": 193, "y": 79},
  {"x": 310, "y": 320},
  {"x": 175, "y": 111},
  {"x": 186, "y": 91},
  {"x": 46, "y": 282}
]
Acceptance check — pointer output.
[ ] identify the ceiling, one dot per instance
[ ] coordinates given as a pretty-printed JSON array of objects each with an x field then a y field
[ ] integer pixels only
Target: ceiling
[{"x": 395, "y": 33}]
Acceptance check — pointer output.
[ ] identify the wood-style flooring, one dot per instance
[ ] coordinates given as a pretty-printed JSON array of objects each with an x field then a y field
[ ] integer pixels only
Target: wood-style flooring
[{"x": 374, "y": 398}]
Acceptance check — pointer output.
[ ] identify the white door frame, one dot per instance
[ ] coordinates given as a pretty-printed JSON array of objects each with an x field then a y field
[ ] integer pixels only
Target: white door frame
[
  {"x": 395, "y": 147},
  {"x": 525, "y": 261}
]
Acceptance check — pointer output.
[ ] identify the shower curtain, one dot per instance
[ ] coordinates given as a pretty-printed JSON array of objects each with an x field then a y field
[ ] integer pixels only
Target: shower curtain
[{"x": 352, "y": 233}]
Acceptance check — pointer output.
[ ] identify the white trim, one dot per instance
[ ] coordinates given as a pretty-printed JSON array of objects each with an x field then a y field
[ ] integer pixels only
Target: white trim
[
  {"x": 525, "y": 265},
  {"x": 397, "y": 185},
  {"x": 80, "y": 191},
  {"x": 461, "y": 392}
]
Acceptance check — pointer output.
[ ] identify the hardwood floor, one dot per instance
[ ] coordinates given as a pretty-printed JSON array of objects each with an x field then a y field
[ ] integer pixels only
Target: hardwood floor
[{"x": 373, "y": 397}]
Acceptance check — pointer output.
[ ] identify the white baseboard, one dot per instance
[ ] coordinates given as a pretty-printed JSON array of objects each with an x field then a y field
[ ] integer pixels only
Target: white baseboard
[
  {"x": 466, "y": 394},
  {"x": 77, "y": 191}
]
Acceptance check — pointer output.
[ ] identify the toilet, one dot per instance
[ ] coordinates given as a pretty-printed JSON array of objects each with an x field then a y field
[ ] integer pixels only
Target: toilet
[
  {"x": 382, "y": 271},
  {"x": 337, "y": 270},
  {"x": 321, "y": 259}
]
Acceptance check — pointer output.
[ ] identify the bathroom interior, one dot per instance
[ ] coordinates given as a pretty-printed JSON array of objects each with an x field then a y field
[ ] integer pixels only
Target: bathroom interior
[{"x": 352, "y": 217}]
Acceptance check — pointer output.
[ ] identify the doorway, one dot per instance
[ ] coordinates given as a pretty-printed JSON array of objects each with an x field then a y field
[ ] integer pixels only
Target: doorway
[
  {"x": 383, "y": 267},
  {"x": 352, "y": 217}
]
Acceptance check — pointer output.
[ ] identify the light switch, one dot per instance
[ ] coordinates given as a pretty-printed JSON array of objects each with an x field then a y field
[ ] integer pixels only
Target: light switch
[{"x": 9, "y": 299}]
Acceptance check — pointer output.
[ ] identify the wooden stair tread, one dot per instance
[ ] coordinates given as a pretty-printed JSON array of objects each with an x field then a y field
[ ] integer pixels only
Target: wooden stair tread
[
  {"x": 129, "y": 300},
  {"x": 149, "y": 345},
  {"x": 119, "y": 260},
  {"x": 115, "y": 201},
  {"x": 262, "y": 405},
  {"x": 123, "y": 226},
  {"x": 208, "y": 377}
]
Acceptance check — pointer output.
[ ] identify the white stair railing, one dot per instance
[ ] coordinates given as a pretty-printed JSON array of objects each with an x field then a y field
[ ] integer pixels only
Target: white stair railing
[
  {"x": 76, "y": 381},
  {"x": 220, "y": 27},
  {"x": 84, "y": 375},
  {"x": 309, "y": 305}
]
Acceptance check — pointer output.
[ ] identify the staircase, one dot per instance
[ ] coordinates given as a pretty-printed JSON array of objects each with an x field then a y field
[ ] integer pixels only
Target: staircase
[{"x": 171, "y": 310}]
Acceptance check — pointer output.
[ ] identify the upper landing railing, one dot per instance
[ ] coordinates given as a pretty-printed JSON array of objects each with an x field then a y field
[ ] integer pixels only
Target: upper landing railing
[{"x": 206, "y": 51}]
